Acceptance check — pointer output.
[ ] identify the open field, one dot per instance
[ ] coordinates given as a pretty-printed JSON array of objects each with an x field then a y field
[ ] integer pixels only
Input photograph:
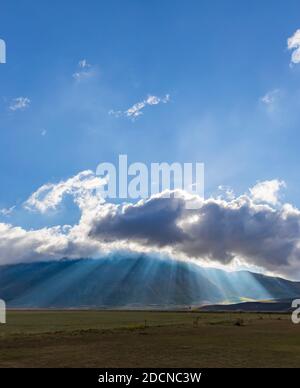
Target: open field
[{"x": 148, "y": 339}]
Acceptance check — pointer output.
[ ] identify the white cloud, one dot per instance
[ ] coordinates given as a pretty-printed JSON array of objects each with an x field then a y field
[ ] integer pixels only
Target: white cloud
[
  {"x": 267, "y": 191},
  {"x": 7, "y": 211},
  {"x": 270, "y": 97},
  {"x": 19, "y": 103},
  {"x": 85, "y": 70},
  {"x": 49, "y": 196},
  {"x": 256, "y": 229},
  {"x": 83, "y": 63},
  {"x": 293, "y": 43},
  {"x": 227, "y": 192},
  {"x": 137, "y": 109}
]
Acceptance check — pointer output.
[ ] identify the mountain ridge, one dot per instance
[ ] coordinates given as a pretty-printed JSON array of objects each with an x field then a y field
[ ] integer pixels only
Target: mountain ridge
[{"x": 119, "y": 282}]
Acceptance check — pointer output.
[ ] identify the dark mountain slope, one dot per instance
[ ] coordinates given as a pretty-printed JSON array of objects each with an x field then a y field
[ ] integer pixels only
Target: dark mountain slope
[{"x": 132, "y": 282}]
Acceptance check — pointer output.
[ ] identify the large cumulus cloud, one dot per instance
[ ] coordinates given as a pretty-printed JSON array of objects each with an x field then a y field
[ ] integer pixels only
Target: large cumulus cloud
[
  {"x": 255, "y": 228},
  {"x": 219, "y": 230}
]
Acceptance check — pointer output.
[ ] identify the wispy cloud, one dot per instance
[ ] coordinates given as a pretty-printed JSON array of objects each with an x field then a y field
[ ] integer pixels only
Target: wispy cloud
[
  {"x": 137, "y": 109},
  {"x": 84, "y": 70},
  {"x": 19, "y": 103},
  {"x": 7, "y": 211},
  {"x": 270, "y": 97},
  {"x": 226, "y": 192},
  {"x": 83, "y": 64},
  {"x": 49, "y": 196},
  {"x": 293, "y": 43}
]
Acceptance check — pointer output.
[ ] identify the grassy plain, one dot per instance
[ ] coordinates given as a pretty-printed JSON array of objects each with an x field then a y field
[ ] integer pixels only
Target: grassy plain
[{"x": 148, "y": 339}]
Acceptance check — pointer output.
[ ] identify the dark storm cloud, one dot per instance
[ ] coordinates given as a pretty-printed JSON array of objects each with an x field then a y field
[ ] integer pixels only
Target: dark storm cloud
[
  {"x": 153, "y": 222},
  {"x": 218, "y": 230}
]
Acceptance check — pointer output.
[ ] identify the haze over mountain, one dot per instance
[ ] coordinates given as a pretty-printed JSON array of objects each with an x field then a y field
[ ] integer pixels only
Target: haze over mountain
[
  {"x": 139, "y": 282},
  {"x": 267, "y": 306}
]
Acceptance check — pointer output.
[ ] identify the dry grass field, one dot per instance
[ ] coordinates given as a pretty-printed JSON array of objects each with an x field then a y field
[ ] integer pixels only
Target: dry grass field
[{"x": 148, "y": 339}]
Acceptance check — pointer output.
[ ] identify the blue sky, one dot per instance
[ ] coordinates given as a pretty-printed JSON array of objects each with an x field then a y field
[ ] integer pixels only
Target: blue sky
[
  {"x": 216, "y": 59},
  {"x": 234, "y": 97}
]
